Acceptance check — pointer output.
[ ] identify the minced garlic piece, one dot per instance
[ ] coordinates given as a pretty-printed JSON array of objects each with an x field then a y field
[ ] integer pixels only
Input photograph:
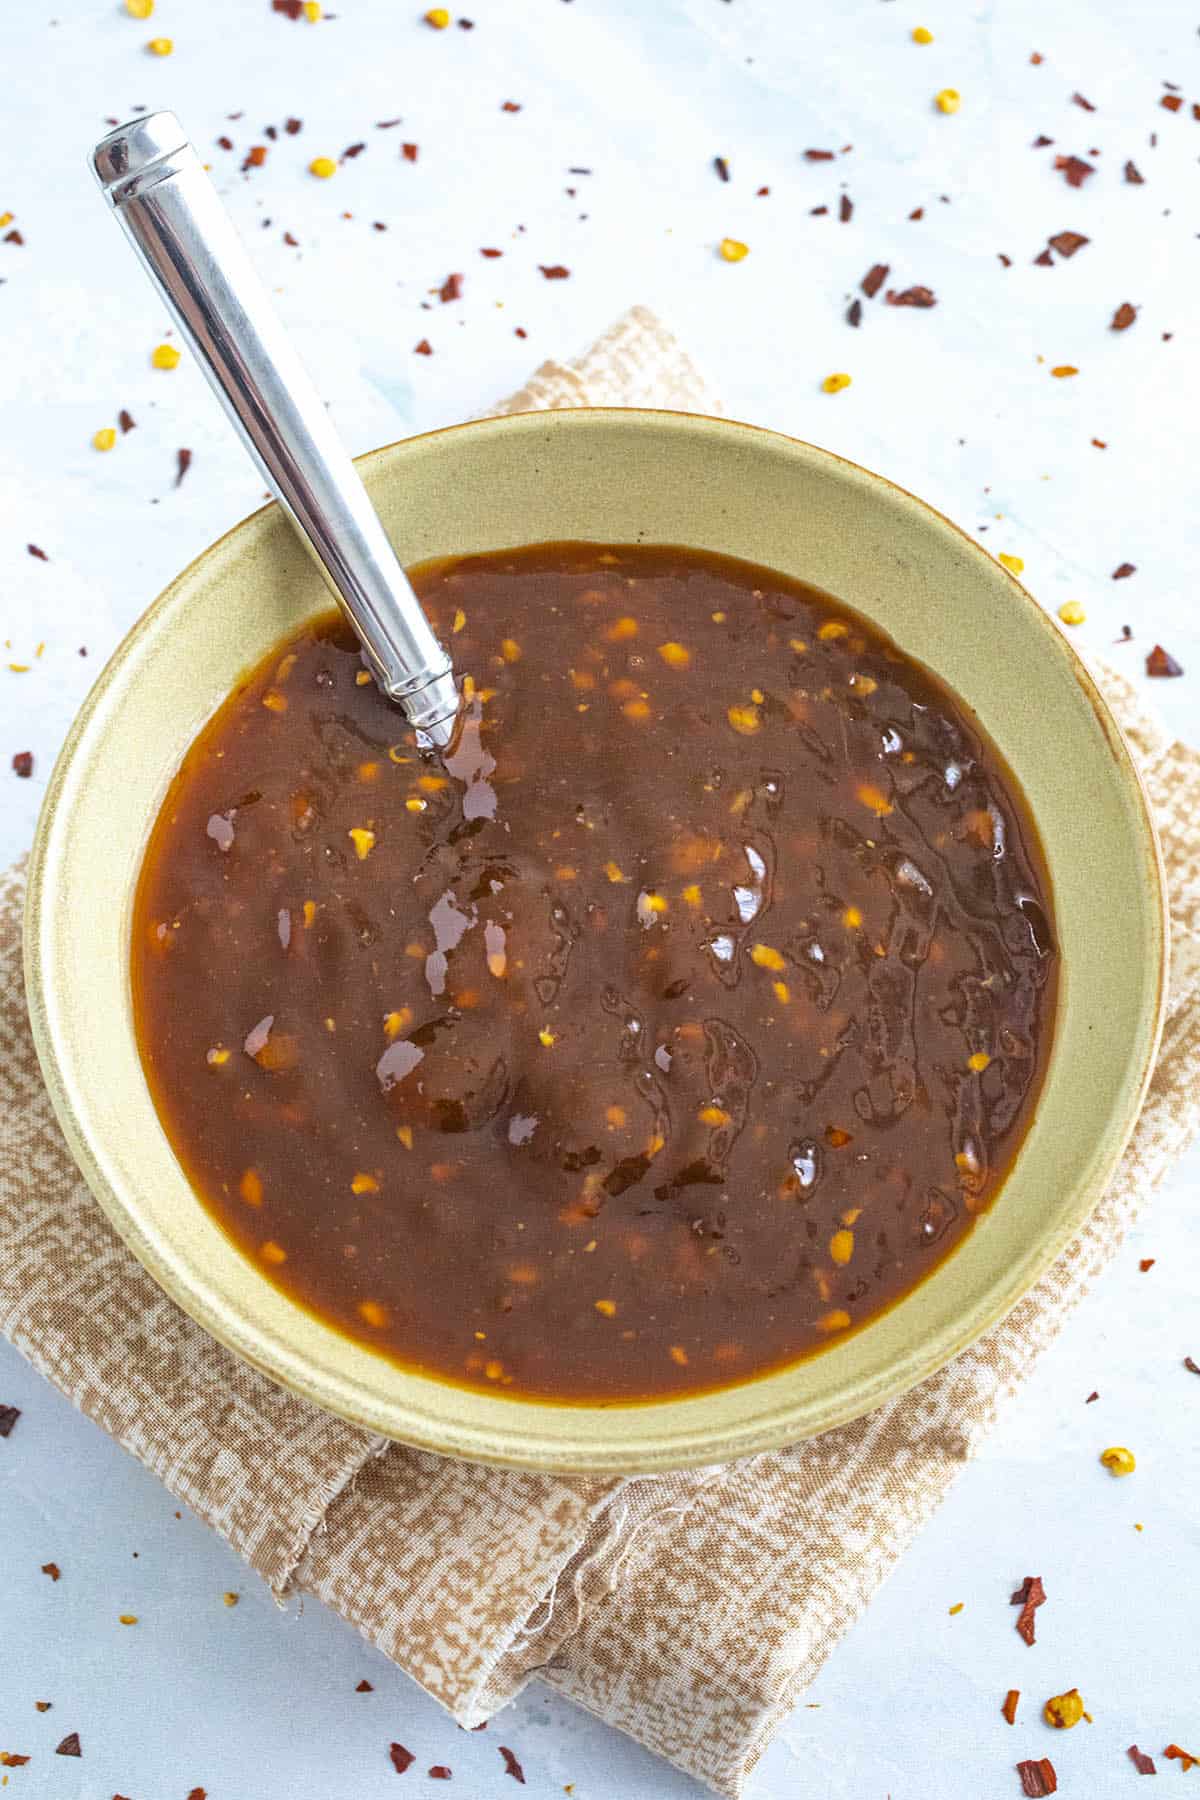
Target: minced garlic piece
[
  {"x": 1119, "y": 1460},
  {"x": 1064, "y": 1710}
]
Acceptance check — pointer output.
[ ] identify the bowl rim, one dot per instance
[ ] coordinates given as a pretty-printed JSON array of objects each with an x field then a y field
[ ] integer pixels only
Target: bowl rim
[{"x": 414, "y": 1426}]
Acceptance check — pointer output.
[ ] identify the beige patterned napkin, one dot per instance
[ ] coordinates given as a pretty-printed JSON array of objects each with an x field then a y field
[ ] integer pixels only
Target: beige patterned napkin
[{"x": 690, "y": 1610}]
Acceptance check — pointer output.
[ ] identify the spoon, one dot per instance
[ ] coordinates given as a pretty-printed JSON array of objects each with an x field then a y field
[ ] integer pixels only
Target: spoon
[{"x": 155, "y": 183}]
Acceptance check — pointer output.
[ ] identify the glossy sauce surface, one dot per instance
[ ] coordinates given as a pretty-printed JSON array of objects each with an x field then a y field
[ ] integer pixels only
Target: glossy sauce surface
[{"x": 678, "y": 1023}]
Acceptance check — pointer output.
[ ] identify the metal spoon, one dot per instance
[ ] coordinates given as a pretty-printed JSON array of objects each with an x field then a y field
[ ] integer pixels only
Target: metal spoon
[{"x": 156, "y": 185}]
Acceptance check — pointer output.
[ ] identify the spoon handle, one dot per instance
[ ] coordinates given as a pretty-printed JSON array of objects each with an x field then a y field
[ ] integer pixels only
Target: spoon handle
[{"x": 156, "y": 185}]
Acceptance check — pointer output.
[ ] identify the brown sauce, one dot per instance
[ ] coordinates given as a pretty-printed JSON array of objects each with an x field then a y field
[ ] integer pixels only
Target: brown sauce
[{"x": 683, "y": 1020}]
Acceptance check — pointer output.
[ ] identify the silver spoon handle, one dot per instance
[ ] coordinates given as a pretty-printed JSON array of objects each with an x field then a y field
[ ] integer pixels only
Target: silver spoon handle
[{"x": 155, "y": 183}]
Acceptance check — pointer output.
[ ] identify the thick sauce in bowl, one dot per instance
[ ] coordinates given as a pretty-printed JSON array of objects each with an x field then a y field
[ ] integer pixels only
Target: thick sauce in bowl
[{"x": 679, "y": 1022}]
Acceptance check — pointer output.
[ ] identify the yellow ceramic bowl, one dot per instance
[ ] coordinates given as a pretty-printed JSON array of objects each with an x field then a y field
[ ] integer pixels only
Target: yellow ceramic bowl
[{"x": 620, "y": 477}]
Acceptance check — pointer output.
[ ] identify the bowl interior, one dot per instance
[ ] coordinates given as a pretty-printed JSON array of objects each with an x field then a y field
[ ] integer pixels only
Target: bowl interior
[{"x": 616, "y": 477}]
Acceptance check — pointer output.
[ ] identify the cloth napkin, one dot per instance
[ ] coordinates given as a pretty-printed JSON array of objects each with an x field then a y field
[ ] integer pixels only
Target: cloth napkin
[{"x": 688, "y": 1610}]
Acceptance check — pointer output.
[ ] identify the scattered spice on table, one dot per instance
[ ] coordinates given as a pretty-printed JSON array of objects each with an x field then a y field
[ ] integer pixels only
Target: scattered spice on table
[
  {"x": 1094, "y": 1395},
  {"x": 913, "y": 296},
  {"x": 36, "y": 550},
  {"x": 255, "y": 157},
  {"x": 410, "y": 152},
  {"x": 1124, "y": 317},
  {"x": 402, "y": 1759},
  {"x": 451, "y": 289},
  {"x": 1078, "y": 100},
  {"x": 556, "y": 271},
  {"x": 1009, "y": 1709},
  {"x": 43, "y": 1705},
  {"x": 183, "y": 460},
  {"x": 1124, "y": 570},
  {"x": 874, "y": 279},
  {"x": 70, "y": 1745},
  {"x": 1037, "y": 1778},
  {"x": 1064, "y": 1711},
  {"x": 197, "y": 1794},
  {"x": 9, "y": 1759},
  {"x": 22, "y": 763},
  {"x": 511, "y": 106},
  {"x": 1146, "y": 1263},
  {"x": 1191, "y": 1365},
  {"x": 722, "y": 167},
  {"x": 854, "y": 312},
  {"x": 511, "y": 1765},
  {"x": 1174, "y": 1754},
  {"x": 1134, "y": 175},
  {"x": 1118, "y": 1460},
  {"x": 957, "y": 1608},
  {"x": 1073, "y": 168},
  {"x": 52, "y": 1570},
  {"x": 491, "y": 253},
  {"x": 1172, "y": 102},
  {"x": 1040, "y": 142},
  {"x": 1142, "y": 1763},
  {"x": 819, "y": 155},
  {"x": 440, "y": 1772},
  {"x": 845, "y": 209},
  {"x": 1029, "y": 1596},
  {"x": 424, "y": 348},
  {"x": 1063, "y": 371},
  {"x": 351, "y": 151},
  {"x": 1161, "y": 663},
  {"x": 1066, "y": 243},
  {"x": 126, "y": 421}
]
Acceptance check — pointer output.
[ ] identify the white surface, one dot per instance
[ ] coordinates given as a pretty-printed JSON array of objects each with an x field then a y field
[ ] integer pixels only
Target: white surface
[{"x": 250, "y": 1703}]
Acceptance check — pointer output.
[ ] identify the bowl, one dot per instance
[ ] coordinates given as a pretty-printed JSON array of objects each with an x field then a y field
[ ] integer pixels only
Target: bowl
[{"x": 616, "y": 476}]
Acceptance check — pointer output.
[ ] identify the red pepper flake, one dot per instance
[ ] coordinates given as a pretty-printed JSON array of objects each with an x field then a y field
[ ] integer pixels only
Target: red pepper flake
[
  {"x": 1146, "y": 1263},
  {"x": 43, "y": 1705},
  {"x": 815, "y": 212},
  {"x": 401, "y": 1758},
  {"x": 1029, "y": 1596},
  {"x": 511, "y": 106},
  {"x": 874, "y": 279},
  {"x": 1123, "y": 570},
  {"x": 1078, "y": 100},
  {"x": 1142, "y": 1763},
  {"x": 1100, "y": 443},
  {"x": 10, "y": 1760},
  {"x": 1005, "y": 261},
  {"x": 1074, "y": 169},
  {"x": 913, "y": 296},
  {"x": 439, "y": 1772},
  {"x": 36, "y": 550},
  {"x": 491, "y": 253},
  {"x": 424, "y": 348},
  {"x": 818, "y": 155},
  {"x": 1037, "y": 1778},
  {"x": 722, "y": 167},
  {"x": 197, "y": 1794},
  {"x": 761, "y": 193},
  {"x": 451, "y": 289},
  {"x": 256, "y": 156},
  {"x": 294, "y": 242},
  {"x": 1172, "y": 102},
  {"x": 845, "y": 209},
  {"x": 364, "y": 1687},
  {"x": 466, "y": 24},
  {"x": 291, "y": 9},
  {"x": 1174, "y": 1754},
  {"x": 918, "y": 212},
  {"x": 409, "y": 152},
  {"x": 1160, "y": 662},
  {"x": 270, "y": 131},
  {"x": 378, "y": 225},
  {"x": 225, "y": 143},
  {"x": 22, "y": 764},
  {"x": 183, "y": 461},
  {"x": 1040, "y": 142},
  {"x": 520, "y": 331},
  {"x": 351, "y": 151},
  {"x": 1094, "y": 1395},
  {"x": 1133, "y": 175},
  {"x": 1045, "y": 260},
  {"x": 13, "y": 237},
  {"x": 70, "y": 1745},
  {"x": 1036, "y": 58},
  {"x": 554, "y": 271},
  {"x": 511, "y": 1765},
  {"x": 52, "y": 1570},
  {"x": 1123, "y": 318},
  {"x": 1009, "y": 1709},
  {"x": 1190, "y": 1363},
  {"x": 126, "y": 421},
  {"x": 854, "y": 313},
  {"x": 1067, "y": 242},
  {"x": 292, "y": 126}
]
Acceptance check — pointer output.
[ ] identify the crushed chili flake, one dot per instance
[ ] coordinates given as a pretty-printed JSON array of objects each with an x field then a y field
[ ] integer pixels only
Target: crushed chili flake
[
  {"x": 36, "y": 550},
  {"x": 294, "y": 242},
  {"x": 1029, "y": 1596},
  {"x": 351, "y": 151},
  {"x": 401, "y": 1758},
  {"x": 183, "y": 460},
  {"x": 854, "y": 313},
  {"x": 22, "y": 763},
  {"x": 292, "y": 126},
  {"x": 255, "y": 157},
  {"x": 43, "y": 1705},
  {"x": 364, "y": 1687},
  {"x": 1045, "y": 260},
  {"x": 197, "y": 1794},
  {"x": 1067, "y": 242},
  {"x": 918, "y": 212},
  {"x": 52, "y": 1570},
  {"x": 874, "y": 279},
  {"x": 13, "y": 237},
  {"x": 1191, "y": 1365},
  {"x": 451, "y": 289},
  {"x": 511, "y": 106},
  {"x": 913, "y": 296},
  {"x": 1078, "y": 100},
  {"x": 722, "y": 167},
  {"x": 1124, "y": 317},
  {"x": 1094, "y": 1395},
  {"x": 491, "y": 253},
  {"x": 1134, "y": 175},
  {"x": 818, "y": 155},
  {"x": 761, "y": 193},
  {"x": 378, "y": 225},
  {"x": 1009, "y": 1709},
  {"x": 1174, "y": 1754},
  {"x": 845, "y": 209},
  {"x": 1100, "y": 443},
  {"x": 1142, "y": 1763},
  {"x": 520, "y": 331},
  {"x": 410, "y": 152},
  {"x": 1075, "y": 170},
  {"x": 224, "y": 143},
  {"x": 1037, "y": 1778},
  {"x": 1040, "y": 142},
  {"x": 291, "y": 9},
  {"x": 1005, "y": 261},
  {"x": 1036, "y": 58},
  {"x": 1146, "y": 1263},
  {"x": 817, "y": 211},
  {"x": 126, "y": 421},
  {"x": 554, "y": 271},
  {"x": 10, "y": 1760},
  {"x": 1172, "y": 102},
  {"x": 511, "y": 1765},
  {"x": 439, "y": 1772},
  {"x": 1123, "y": 570},
  {"x": 70, "y": 1745},
  {"x": 1160, "y": 662}
]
